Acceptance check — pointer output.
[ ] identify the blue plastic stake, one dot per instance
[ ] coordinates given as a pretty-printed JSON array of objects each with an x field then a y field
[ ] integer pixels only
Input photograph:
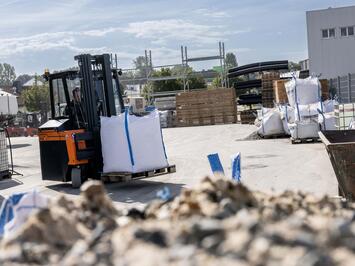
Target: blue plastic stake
[
  {"x": 236, "y": 167},
  {"x": 215, "y": 163},
  {"x": 164, "y": 194}
]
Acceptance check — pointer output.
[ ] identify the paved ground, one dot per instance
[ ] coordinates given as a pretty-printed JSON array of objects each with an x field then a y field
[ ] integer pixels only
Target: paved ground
[{"x": 267, "y": 165}]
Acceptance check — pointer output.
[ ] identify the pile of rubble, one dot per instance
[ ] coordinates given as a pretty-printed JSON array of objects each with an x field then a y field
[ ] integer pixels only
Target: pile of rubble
[{"x": 218, "y": 222}]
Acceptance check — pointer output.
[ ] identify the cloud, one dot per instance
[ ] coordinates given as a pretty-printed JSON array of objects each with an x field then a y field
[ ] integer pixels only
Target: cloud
[
  {"x": 163, "y": 31},
  {"x": 50, "y": 41},
  {"x": 211, "y": 13}
]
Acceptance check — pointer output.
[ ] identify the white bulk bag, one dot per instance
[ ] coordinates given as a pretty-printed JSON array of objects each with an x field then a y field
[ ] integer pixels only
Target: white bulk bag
[
  {"x": 287, "y": 114},
  {"x": 303, "y": 91},
  {"x": 352, "y": 124},
  {"x": 327, "y": 121},
  {"x": 132, "y": 144},
  {"x": 328, "y": 106},
  {"x": 304, "y": 111},
  {"x": 8, "y": 104},
  {"x": 114, "y": 145},
  {"x": 147, "y": 142},
  {"x": 304, "y": 130},
  {"x": 29, "y": 203},
  {"x": 271, "y": 123}
]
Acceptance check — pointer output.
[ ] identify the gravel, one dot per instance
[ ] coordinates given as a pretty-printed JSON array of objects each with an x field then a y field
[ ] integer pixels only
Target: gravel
[{"x": 219, "y": 222}]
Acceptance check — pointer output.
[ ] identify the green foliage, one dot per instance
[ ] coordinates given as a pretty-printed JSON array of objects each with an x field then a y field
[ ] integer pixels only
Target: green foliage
[
  {"x": 231, "y": 60},
  {"x": 294, "y": 66},
  {"x": 140, "y": 65},
  {"x": 7, "y": 74},
  {"x": 37, "y": 98},
  {"x": 216, "y": 83},
  {"x": 194, "y": 81}
]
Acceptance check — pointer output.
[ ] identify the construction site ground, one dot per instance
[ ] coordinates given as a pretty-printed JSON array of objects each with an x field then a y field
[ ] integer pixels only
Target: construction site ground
[{"x": 271, "y": 165}]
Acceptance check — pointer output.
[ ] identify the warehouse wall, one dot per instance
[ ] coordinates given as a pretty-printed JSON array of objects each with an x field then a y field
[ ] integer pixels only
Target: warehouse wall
[{"x": 334, "y": 56}]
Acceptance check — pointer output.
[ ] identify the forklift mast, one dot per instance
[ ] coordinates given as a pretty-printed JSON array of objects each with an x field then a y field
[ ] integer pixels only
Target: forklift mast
[
  {"x": 70, "y": 149},
  {"x": 96, "y": 75}
]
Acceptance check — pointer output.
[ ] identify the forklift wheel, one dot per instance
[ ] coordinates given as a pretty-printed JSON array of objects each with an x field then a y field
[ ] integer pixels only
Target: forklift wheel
[{"x": 76, "y": 179}]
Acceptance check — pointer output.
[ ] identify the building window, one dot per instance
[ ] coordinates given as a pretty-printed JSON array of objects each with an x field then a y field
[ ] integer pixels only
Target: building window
[
  {"x": 347, "y": 31},
  {"x": 331, "y": 33},
  {"x": 343, "y": 32},
  {"x": 328, "y": 33},
  {"x": 351, "y": 31},
  {"x": 325, "y": 34}
]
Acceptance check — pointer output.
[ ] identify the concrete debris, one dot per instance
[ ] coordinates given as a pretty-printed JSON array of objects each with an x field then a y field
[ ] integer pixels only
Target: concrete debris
[{"x": 217, "y": 223}]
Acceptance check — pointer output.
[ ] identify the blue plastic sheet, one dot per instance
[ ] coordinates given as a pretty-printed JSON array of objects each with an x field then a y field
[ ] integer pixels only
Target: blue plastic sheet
[
  {"x": 236, "y": 167},
  {"x": 6, "y": 210},
  {"x": 215, "y": 163}
]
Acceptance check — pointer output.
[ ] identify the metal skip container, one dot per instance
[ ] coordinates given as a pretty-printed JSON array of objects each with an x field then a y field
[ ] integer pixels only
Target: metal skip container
[{"x": 340, "y": 145}]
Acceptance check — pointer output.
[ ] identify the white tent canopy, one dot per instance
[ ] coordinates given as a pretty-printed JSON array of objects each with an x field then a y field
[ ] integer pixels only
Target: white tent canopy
[{"x": 8, "y": 103}]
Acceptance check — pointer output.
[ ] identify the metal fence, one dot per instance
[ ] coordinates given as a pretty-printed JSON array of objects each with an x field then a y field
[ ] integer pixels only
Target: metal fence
[
  {"x": 344, "y": 114},
  {"x": 4, "y": 161},
  {"x": 344, "y": 88}
]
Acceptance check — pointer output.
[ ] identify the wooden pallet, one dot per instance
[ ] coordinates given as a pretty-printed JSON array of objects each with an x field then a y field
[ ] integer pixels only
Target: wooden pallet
[
  {"x": 206, "y": 107},
  {"x": 207, "y": 121},
  {"x": 125, "y": 177},
  {"x": 306, "y": 140},
  {"x": 278, "y": 136},
  {"x": 267, "y": 89}
]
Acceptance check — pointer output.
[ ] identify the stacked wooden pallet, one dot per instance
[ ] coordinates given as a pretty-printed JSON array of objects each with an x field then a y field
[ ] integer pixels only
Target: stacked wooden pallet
[
  {"x": 325, "y": 88},
  {"x": 281, "y": 95},
  {"x": 248, "y": 116},
  {"x": 267, "y": 89},
  {"x": 280, "y": 91},
  {"x": 206, "y": 107}
]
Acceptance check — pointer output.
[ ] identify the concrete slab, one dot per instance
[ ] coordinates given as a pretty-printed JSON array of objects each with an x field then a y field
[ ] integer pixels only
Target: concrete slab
[{"x": 267, "y": 165}]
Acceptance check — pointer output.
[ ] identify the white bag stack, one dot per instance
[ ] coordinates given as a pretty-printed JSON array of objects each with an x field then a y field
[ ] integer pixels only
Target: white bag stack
[
  {"x": 311, "y": 113},
  {"x": 132, "y": 144}
]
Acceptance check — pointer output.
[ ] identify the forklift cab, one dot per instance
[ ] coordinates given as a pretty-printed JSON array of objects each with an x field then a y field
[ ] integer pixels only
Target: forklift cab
[{"x": 70, "y": 146}]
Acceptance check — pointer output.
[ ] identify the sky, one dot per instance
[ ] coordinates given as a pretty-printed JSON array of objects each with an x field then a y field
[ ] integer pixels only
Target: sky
[{"x": 40, "y": 34}]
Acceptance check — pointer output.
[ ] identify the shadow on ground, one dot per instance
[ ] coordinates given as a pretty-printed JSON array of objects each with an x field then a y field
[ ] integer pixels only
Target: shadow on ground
[
  {"x": 18, "y": 146},
  {"x": 136, "y": 191},
  {"x": 8, "y": 183}
]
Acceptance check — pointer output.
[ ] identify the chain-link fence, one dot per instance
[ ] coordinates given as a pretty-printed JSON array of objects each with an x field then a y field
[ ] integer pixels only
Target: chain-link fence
[
  {"x": 344, "y": 88},
  {"x": 4, "y": 157}
]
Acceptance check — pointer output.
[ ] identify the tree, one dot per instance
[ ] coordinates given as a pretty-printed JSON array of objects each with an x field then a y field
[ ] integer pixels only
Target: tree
[
  {"x": 20, "y": 80},
  {"x": 165, "y": 85},
  {"x": 36, "y": 98},
  {"x": 7, "y": 74},
  {"x": 194, "y": 81},
  {"x": 231, "y": 60},
  {"x": 141, "y": 65},
  {"x": 294, "y": 66},
  {"x": 216, "y": 82}
]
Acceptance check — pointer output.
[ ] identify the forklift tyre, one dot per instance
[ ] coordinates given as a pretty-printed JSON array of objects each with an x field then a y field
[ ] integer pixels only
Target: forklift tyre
[{"x": 76, "y": 179}]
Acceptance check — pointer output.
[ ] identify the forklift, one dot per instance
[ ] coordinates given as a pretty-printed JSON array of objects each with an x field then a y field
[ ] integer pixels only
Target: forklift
[{"x": 70, "y": 145}]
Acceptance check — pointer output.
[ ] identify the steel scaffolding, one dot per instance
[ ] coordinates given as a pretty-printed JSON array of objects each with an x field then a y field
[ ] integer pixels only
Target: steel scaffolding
[{"x": 148, "y": 69}]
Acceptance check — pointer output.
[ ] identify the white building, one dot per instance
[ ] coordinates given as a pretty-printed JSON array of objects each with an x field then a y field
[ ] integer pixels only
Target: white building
[{"x": 331, "y": 41}]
